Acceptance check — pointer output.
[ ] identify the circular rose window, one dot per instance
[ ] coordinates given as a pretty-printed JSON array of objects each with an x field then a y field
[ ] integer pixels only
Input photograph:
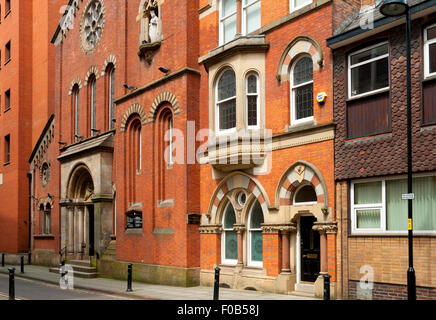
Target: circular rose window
[{"x": 92, "y": 24}]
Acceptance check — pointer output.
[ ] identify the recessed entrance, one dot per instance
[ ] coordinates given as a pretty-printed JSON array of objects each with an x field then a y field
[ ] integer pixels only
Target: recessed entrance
[{"x": 310, "y": 249}]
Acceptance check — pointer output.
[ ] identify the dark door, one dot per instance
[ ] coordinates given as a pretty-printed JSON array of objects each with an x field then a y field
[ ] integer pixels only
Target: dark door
[
  {"x": 91, "y": 230},
  {"x": 310, "y": 252}
]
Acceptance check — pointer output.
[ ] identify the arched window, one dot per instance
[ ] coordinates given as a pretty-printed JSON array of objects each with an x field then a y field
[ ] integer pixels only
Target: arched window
[
  {"x": 254, "y": 241},
  {"x": 226, "y": 101},
  {"x": 76, "y": 112},
  {"x": 110, "y": 74},
  {"x": 302, "y": 90},
  {"x": 229, "y": 240},
  {"x": 92, "y": 100},
  {"x": 134, "y": 158},
  {"x": 305, "y": 195},
  {"x": 252, "y": 92},
  {"x": 45, "y": 219}
]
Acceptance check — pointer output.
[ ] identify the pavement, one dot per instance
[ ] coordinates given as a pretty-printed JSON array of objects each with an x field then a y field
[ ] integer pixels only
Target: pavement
[{"x": 146, "y": 291}]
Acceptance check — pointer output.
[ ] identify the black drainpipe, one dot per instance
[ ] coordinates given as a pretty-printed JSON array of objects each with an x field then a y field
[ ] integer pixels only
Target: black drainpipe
[{"x": 29, "y": 176}]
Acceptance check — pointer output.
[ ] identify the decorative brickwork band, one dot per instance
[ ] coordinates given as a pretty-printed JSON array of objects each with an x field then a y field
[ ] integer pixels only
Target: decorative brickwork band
[
  {"x": 134, "y": 108},
  {"x": 163, "y": 97},
  {"x": 301, "y": 173},
  {"x": 75, "y": 81},
  {"x": 300, "y": 45},
  {"x": 91, "y": 71},
  {"x": 111, "y": 59}
]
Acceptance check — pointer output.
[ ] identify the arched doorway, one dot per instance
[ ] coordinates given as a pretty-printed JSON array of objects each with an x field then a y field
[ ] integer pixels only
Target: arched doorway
[{"x": 80, "y": 237}]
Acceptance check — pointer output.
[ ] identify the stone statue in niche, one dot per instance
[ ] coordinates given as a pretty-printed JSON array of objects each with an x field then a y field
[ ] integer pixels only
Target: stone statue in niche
[{"x": 150, "y": 22}]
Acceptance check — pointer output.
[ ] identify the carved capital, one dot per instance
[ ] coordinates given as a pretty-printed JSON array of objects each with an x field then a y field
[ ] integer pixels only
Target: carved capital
[
  {"x": 291, "y": 228},
  {"x": 326, "y": 227},
  {"x": 211, "y": 229},
  {"x": 239, "y": 228}
]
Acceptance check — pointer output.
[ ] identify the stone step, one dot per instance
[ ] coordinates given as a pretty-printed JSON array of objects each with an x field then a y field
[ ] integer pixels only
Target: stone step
[
  {"x": 85, "y": 263},
  {"x": 78, "y": 274}
]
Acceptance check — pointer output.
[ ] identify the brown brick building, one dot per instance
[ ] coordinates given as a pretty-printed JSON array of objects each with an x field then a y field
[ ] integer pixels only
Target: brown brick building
[
  {"x": 267, "y": 184},
  {"x": 371, "y": 153},
  {"x": 26, "y": 102}
]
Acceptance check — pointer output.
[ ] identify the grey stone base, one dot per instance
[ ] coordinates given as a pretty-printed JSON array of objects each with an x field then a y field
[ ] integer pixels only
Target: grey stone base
[
  {"x": 15, "y": 258},
  {"x": 243, "y": 278},
  {"x": 48, "y": 258},
  {"x": 148, "y": 273}
]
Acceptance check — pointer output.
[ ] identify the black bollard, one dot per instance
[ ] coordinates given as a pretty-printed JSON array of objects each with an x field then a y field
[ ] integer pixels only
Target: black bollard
[
  {"x": 216, "y": 286},
  {"x": 129, "y": 278},
  {"x": 22, "y": 264},
  {"x": 326, "y": 287},
  {"x": 3, "y": 259},
  {"x": 11, "y": 283}
]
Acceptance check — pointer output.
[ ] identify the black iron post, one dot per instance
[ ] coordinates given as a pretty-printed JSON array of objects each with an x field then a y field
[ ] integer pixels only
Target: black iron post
[
  {"x": 129, "y": 278},
  {"x": 11, "y": 283},
  {"x": 411, "y": 280},
  {"x": 22, "y": 264},
  {"x": 326, "y": 287},
  {"x": 3, "y": 259},
  {"x": 216, "y": 285}
]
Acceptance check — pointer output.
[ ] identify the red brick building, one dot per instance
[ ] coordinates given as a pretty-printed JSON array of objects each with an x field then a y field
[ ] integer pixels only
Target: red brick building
[
  {"x": 371, "y": 153},
  {"x": 267, "y": 183},
  {"x": 26, "y": 102}
]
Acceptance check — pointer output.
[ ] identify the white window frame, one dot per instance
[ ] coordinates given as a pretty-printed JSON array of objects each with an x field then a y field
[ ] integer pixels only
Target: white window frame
[
  {"x": 294, "y": 8},
  {"x": 223, "y": 240},
  {"x": 350, "y": 96},
  {"x": 218, "y": 131},
  {"x": 222, "y": 19},
  {"x": 308, "y": 203},
  {"x": 293, "y": 110},
  {"x": 257, "y": 101},
  {"x": 245, "y": 6},
  {"x": 427, "y": 44},
  {"x": 382, "y": 206},
  {"x": 250, "y": 262}
]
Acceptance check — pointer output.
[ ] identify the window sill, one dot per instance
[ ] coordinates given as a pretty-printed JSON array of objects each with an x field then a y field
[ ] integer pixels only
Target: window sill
[
  {"x": 7, "y": 61},
  {"x": 367, "y": 95},
  {"x": 44, "y": 236},
  {"x": 429, "y": 78},
  {"x": 393, "y": 234},
  {"x": 134, "y": 231}
]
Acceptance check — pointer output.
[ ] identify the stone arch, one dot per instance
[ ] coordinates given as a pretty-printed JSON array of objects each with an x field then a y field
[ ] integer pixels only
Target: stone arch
[
  {"x": 91, "y": 71},
  {"x": 301, "y": 172},
  {"x": 163, "y": 97},
  {"x": 111, "y": 59},
  {"x": 134, "y": 108},
  {"x": 300, "y": 45},
  {"x": 45, "y": 203},
  {"x": 234, "y": 181},
  {"x": 80, "y": 183},
  {"x": 76, "y": 81}
]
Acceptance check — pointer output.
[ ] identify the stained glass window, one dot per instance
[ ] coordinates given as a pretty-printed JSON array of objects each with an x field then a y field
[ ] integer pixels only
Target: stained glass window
[
  {"x": 255, "y": 230},
  {"x": 226, "y": 104}
]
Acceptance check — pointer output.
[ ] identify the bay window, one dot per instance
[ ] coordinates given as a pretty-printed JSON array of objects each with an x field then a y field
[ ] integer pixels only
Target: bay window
[
  {"x": 377, "y": 206},
  {"x": 368, "y": 70},
  {"x": 226, "y": 101}
]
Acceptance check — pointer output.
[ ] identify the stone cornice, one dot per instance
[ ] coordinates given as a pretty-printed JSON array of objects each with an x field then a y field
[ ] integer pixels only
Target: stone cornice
[
  {"x": 276, "y": 228},
  {"x": 326, "y": 227}
]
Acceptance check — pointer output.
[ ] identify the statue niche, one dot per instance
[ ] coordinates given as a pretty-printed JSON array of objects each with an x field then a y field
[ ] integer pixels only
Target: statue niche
[{"x": 151, "y": 29}]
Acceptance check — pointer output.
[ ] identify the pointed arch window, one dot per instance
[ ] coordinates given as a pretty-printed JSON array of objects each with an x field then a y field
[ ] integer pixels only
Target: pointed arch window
[
  {"x": 76, "y": 111},
  {"x": 302, "y": 90},
  {"x": 110, "y": 74},
  {"x": 93, "y": 99},
  {"x": 254, "y": 241},
  {"x": 252, "y": 91},
  {"x": 229, "y": 240}
]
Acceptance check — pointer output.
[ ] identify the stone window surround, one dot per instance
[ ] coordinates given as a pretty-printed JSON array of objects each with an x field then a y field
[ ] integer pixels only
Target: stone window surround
[{"x": 243, "y": 64}]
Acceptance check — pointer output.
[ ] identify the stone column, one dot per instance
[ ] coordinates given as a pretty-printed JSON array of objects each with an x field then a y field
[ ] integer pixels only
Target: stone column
[
  {"x": 323, "y": 249},
  {"x": 80, "y": 227},
  {"x": 70, "y": 240},
  {"x": 240, "y": 230},
  {"x": 85, "y": 229},
  {"x": 285, "y": 232}
]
